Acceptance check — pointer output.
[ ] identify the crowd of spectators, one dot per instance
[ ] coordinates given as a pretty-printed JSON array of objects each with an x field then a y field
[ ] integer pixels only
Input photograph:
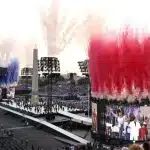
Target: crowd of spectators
[
  {"x": 145, "y": 146},
  {"x": 72, "y": 105},
  {"x": 66, "y": 88},
  {"x": 8, "y": 142}
]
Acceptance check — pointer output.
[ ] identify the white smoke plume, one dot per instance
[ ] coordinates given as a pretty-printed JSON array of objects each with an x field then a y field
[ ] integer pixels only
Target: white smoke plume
[
  {"x": 62, "y": 23},
  {"x": 11, "y": 48},
  {"x": 7, "y": 46},
  {"x": 20, "y": 30}
]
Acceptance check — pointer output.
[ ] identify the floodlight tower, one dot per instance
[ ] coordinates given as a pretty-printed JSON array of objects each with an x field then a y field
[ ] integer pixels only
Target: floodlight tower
[
  {"x": 83, "y": 66},
  {"x": 50, "y": 68}
]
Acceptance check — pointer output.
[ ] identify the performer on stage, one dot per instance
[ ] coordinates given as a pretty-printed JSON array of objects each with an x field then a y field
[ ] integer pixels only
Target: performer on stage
[
  {"x": 134, "y": 129},
  {"x": 120, "y": 119},
  {"x": 126, "y": 128},
  {"x": 142, "y": 133},
  {"x": 145, "y": 126}
]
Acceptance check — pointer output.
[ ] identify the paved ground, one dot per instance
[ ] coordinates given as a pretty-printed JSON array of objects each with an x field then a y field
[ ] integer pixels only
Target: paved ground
[{"x": 36, "y": 137}]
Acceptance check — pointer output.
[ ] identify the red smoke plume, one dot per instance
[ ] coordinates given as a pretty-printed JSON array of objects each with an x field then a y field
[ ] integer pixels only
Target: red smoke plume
[{"x": 120, "y": 65}]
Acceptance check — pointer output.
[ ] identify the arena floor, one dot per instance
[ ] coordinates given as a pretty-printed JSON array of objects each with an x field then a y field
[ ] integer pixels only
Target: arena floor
[{"x": 36, "y": 137}]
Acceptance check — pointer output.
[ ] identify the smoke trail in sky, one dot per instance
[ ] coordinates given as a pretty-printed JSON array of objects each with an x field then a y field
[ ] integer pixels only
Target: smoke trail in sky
[
  {"x": 10, "y": 48},
  {"x": 62, "y": 23}
]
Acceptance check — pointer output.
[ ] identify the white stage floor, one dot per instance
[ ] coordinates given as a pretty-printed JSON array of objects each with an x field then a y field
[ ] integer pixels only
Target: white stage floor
[{"x": 76, "y": 117}]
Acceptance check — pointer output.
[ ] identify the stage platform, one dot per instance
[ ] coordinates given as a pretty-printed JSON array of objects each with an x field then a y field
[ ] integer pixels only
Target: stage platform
[
  {"x": 65, "y": 112},
  {"x": 45, "y": 123},
  {"x": 14, "y": 105},
  {"x": 67, "y": 141},
  {"x": 76, "y": 117}
]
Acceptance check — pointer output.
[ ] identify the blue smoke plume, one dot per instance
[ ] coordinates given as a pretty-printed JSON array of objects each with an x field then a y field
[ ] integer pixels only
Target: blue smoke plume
[{"x": 12, "y": 75}]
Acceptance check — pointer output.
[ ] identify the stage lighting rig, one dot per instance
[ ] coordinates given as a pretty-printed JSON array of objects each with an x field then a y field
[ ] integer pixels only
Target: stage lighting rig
[
  {"x": 26, "y": 76},
  {"x": 26, "y": 71},
  {"x": 50, "y": 68}
]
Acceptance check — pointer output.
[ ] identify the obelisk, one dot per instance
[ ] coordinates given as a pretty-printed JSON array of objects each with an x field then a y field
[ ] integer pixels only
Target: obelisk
[{"x": 35, "y": 99}]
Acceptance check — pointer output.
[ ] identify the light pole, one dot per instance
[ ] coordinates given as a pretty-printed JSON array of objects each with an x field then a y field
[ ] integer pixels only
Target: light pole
[
  {"x": 83, "y": 66},
  {"x": 50, "y": 68},
  {"x": 72, "y": 85}
]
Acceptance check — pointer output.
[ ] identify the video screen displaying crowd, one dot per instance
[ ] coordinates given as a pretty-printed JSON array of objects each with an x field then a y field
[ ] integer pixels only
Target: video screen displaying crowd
[{"x": 126, "y": 123}]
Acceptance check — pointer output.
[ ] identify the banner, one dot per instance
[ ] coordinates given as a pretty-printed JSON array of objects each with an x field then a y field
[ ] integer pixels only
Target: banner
[{"x": 94, "y": 117}]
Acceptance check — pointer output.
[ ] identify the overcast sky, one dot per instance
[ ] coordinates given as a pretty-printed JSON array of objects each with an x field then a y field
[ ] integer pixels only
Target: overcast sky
[{"x": 21, "y": 25}]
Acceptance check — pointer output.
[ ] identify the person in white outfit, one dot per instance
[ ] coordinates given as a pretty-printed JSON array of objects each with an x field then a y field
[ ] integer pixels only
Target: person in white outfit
[
  {"x": 120, "y": 119},
  {"x": 126, "y": 129},
  {"x": 134, "y": 129}
]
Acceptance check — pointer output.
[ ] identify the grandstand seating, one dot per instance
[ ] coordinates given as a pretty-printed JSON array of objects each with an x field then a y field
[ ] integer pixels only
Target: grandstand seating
[{"x": 63, "y": 88}]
